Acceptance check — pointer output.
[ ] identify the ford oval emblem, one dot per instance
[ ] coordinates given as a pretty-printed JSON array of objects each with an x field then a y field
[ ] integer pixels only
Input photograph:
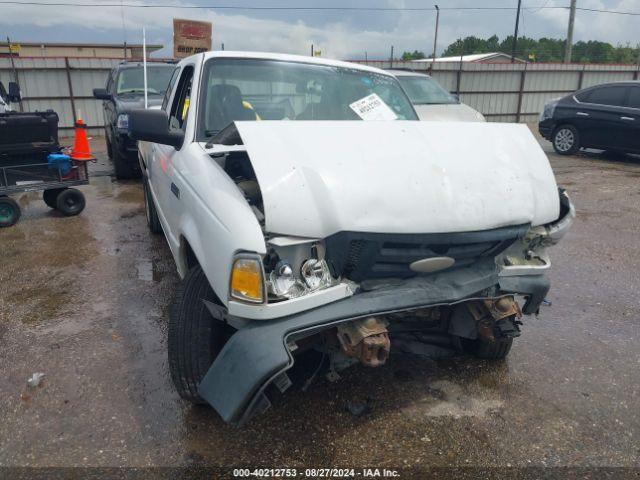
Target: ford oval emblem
[{"x": 433, "y": 264}]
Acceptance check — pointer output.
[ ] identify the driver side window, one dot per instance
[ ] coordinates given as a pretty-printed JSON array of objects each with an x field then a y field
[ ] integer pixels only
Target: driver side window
[
  {"x": 167, "y": 93},
  {"x": 181, "y": 101}
]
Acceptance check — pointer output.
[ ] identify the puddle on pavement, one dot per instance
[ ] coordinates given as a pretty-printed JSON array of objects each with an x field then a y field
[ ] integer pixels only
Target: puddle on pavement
[
  {"x": 42, "y": 303},
  {"x": 129, "y": 195}
]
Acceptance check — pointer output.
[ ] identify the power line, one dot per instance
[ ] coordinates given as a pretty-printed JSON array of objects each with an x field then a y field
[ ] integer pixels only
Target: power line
[
  {"x": 272, "y": 8},
  {"x": 323, "y": 8}
]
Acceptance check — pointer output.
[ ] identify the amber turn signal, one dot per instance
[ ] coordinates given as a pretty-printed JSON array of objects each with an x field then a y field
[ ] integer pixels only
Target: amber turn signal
[{"x": 247, "y": 283}]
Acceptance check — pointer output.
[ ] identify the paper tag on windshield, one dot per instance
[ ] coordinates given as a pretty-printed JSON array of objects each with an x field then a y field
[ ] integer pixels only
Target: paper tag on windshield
[{"x": 372, "y": 107}]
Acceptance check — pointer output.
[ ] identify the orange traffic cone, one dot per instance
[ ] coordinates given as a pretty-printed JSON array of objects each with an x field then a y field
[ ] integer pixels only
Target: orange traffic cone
[{"x": 81, "y": 151}]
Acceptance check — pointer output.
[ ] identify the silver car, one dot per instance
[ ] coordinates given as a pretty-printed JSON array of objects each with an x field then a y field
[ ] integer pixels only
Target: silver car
[{"x": 432, "y": 102}]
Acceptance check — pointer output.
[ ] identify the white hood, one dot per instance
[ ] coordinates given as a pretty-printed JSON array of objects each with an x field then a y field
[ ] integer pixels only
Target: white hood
[
  {"x": 319, "y": 178},
  {"x": 454, "y": 112}
]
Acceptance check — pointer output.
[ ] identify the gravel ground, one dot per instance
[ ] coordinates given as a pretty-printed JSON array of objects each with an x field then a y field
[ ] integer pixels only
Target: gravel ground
[{"x": 84, "y": 300}]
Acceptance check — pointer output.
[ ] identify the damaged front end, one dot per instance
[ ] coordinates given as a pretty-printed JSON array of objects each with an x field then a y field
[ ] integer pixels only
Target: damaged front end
[{"x": 360, "y": 295}]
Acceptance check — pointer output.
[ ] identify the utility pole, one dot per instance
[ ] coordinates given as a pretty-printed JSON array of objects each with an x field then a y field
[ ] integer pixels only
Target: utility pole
[
  {"x": 435, "y": 37},
  {"x": 391, "y": 60},
  {"x": 312, "y": 49},
  {"x": 15, "y": 72},
  {"x": 515, "y": 34},
  {"x": 569, "y": 45}
]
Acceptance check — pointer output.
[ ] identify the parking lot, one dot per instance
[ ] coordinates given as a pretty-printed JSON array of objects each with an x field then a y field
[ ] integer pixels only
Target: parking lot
[{"x": 85, "y": 300}]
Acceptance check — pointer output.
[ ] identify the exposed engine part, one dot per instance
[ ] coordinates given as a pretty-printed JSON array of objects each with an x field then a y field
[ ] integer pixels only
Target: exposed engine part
[
  {"x": 496, "y": 317},
  {"x": 503, "y": 307},
  {"x": 365, "y": 339},
  {"x": 497, "y": 308}
]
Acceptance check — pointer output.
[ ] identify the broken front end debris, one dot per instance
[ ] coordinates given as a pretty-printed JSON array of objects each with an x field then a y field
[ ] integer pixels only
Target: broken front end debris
[{"x": 392, "y": 303}]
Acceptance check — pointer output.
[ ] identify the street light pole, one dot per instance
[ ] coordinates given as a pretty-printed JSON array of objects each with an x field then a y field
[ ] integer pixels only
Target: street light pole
[
  {"x": 569, "y": 45},
  {"x": 435, "y": 37},
  {"x": 515, "y": 34}
]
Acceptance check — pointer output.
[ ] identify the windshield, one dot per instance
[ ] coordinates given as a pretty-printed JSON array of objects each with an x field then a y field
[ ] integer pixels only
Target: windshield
[
  {"x": 131, "y": 80},
  {"x": 424, "y": 90},
  {"x": 249, "y": 89}
]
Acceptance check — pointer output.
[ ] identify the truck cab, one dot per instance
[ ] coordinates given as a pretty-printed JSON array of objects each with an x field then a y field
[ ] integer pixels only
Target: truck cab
[{"x": 123, "y": 92}]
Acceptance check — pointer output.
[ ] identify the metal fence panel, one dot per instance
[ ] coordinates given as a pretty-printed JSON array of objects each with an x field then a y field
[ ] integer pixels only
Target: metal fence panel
[{"x": 505, "y": 92}]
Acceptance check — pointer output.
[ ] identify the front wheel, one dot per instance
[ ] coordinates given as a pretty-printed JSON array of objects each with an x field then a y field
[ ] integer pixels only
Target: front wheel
[
  {"x": 566, "y": 140},
  {"x": 496, "y": 350},
  {"x": 195, "y": 337},
  {"x": 124, "y": 169},
  {"x": 153, "y": 221}
]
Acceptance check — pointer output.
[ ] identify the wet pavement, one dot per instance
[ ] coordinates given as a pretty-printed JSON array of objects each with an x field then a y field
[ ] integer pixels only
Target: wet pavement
[{"x": 84, "y": 300}]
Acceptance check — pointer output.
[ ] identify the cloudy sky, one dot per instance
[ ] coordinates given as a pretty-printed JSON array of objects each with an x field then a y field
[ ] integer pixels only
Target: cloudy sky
[{"x": 338, "y": 34}]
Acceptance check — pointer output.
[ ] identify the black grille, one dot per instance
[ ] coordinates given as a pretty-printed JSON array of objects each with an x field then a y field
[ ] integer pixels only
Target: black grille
[{"x": 360, "y": 256}]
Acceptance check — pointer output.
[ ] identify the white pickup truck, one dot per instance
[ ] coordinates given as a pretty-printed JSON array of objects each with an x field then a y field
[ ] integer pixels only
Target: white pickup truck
[{"x": 307, "y": 208}]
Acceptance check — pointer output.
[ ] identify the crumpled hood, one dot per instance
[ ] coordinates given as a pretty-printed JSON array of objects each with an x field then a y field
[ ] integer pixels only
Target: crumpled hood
[
  {"x": 319, "y": 178},
  {"x": 455, "y": 112}
]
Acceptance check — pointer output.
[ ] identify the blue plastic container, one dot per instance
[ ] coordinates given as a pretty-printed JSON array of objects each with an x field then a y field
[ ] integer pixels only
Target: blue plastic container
[{"x": 61, "y": 162}]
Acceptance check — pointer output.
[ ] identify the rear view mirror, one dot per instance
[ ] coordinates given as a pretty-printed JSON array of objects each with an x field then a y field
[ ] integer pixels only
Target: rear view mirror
[
  {"x": 101, "y": 94},
  {"x": 153, "y": 126},
  {"x": 14, "y": 92}
]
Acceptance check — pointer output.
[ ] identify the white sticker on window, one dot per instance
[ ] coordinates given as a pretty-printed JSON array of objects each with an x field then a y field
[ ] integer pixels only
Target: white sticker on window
[{"x": 372, "y": 107}]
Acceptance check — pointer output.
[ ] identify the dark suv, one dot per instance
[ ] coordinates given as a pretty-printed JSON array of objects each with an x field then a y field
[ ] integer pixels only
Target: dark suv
[
  {"x": 123, "y": 93},
  {"x": 606, "y": 117}
]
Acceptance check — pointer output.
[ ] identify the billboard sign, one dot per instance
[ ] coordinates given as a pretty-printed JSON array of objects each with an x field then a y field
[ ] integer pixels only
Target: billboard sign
[{"x": 190, "y": 37}]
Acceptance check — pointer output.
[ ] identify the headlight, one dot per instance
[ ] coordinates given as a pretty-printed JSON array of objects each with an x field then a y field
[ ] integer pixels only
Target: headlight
[
  {"x": 284, "y": 283},
  {"x": 123, "y": 121},
  {"x": 315, "y": 274},
  {"x": 247, "y": 283},
  {"x": 549, "y": 108}
]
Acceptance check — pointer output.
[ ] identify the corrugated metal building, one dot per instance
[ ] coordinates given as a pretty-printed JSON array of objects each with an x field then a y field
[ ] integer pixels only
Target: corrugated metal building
[
  {"x": 81, "y": 50},
  {"x": 506, "y": 92}
]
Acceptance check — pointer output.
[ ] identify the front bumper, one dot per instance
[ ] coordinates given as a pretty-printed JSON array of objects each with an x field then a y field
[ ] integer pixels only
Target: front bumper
[
  {"x": 546, "y": 127},
  {"x": 259, "y": 353}
]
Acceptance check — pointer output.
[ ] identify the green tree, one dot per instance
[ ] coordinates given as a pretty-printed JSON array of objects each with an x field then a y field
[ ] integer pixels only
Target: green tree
[
  {"x": 546, "y": 49},
  {"x": 415, "y": 55}
]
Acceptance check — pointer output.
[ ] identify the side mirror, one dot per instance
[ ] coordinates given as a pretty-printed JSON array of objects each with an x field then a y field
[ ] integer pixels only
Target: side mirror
[
  {"x": 101, "y": 94},
  {"x": 14, "y": 92},
  {"x": 153, "y": 126},
  {"x": 455, "y": 96}
]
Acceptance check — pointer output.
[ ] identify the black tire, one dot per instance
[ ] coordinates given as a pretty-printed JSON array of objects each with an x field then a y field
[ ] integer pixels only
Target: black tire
[
  {"x": 195, "y": 337},
  {"x": 70, "y": 202},
  {"x": 50, "y": 197},
  {"x": 566, "y": 140},
  {"x": 9, "y": 212},
  {"x": 153, "y": 222},
  {"x": 497, "y": 350},
  {"x": 124, "y": 169},
  {"x": 109, "y": 147}
]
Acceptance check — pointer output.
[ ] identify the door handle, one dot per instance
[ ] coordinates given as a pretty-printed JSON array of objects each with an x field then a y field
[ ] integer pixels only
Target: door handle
[
  {"x": 582, "y": 114},
  {"x": 628, "y": 119}
]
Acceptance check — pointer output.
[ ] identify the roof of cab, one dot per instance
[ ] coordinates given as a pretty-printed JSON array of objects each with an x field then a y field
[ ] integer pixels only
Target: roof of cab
[{"x": 286, "y": 58}]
